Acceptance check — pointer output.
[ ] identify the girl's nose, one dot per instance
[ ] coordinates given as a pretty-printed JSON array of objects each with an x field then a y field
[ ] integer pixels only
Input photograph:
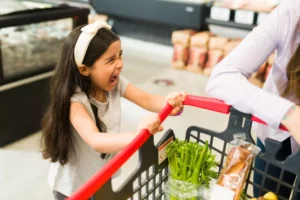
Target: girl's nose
[{"x": 120, "y": 63}]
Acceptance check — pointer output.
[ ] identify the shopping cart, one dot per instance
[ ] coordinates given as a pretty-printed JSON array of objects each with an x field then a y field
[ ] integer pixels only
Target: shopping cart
[{"x": 147, "y": 182}]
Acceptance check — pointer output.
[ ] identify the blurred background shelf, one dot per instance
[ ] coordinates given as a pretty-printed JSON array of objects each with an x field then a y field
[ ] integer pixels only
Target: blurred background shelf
[{"x": 31, "y": 41}]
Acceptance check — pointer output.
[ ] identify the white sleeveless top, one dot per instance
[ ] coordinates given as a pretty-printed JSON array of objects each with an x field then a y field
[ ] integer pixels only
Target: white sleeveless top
[{"x": 68, "y": 178}]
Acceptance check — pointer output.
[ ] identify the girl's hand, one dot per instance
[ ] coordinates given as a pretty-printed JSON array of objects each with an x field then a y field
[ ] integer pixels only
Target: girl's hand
[
  {"x": 176, "y": 100},
  {"x": 152, "y": 123},
  {"x": 292, "y": 122}
]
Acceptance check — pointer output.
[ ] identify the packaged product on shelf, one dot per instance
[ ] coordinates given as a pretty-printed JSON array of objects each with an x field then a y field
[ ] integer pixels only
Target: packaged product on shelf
[
  {"x": 197, "y": 59},
  {"x": 229, "y": 46},
  {"x": 180, "y": 56},
  {"x": 192, "y": 169},
  {"x": 217, "y": 42},
  {"x": 182, "y": 37},
  {"x": 271, "y": 61},
  {"x": 213, "y": 58},
  {"x": 200, "y": 39},
  {"x": 30, "y": 47},
  {"x": 261, "y": 6},
  {"x": 96, "y": 17},
  {"x": 215, "y": 53},
  {"x": 234, "y": 4},
  {"x": 268, "y": 69},
  {"x": 255, "y": 80},
  {"x": 261, "y": 71},
  {"x": 237, "y": 167}
]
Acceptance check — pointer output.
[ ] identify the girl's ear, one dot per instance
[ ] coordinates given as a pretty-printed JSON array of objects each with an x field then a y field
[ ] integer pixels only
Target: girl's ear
[{"x": 83, "y": 70}]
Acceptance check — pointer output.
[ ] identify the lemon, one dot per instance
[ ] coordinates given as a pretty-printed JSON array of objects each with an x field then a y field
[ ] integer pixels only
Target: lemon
[{"x": 270, "y": 196}]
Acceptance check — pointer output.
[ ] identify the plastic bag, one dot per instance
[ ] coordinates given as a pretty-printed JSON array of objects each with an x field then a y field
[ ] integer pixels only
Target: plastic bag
[
  {"x": 238, "y": 164},
  {"x": 181, "y": 190}
]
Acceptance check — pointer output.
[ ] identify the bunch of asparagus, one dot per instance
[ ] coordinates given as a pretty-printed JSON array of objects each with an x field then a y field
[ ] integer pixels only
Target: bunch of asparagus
[{"x": 192, "y": 164}]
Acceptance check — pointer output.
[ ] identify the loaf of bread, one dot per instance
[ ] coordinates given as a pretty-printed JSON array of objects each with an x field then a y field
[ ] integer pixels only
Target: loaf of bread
[{"x": 236, "y": 170}]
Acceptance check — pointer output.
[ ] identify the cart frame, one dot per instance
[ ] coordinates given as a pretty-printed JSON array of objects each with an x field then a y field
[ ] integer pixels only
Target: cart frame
[{"x": 147, "y": 182}]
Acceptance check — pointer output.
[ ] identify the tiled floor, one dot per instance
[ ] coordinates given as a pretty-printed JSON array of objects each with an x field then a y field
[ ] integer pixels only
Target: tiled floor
[{"x": 23, "y": 173}]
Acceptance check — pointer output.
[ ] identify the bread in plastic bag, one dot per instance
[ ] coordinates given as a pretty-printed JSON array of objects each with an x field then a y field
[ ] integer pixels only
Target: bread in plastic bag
[{"x": 238, "y": 164}]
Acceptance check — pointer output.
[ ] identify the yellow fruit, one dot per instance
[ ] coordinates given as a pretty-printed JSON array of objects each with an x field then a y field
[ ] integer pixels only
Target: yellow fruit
[
  {"x": 253, "y": 199},
  {"x": 270, "y": 196}
]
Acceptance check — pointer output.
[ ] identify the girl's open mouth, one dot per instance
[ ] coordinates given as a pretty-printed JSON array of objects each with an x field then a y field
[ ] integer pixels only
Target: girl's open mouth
[{"x": 113, "y": 79}]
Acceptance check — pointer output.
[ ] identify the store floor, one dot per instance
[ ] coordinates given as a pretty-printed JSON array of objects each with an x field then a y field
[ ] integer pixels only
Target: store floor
[{"x": 23, "y": 173}]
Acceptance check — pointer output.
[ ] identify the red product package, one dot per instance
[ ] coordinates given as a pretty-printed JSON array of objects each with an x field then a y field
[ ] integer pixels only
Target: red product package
[
  {"x": 180, "y": 56},
  {"x": 197, "y": 59},
  {"x": 214, "y": 57}
]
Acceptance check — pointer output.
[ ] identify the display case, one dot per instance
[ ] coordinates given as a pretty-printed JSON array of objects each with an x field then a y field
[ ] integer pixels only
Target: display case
[
  {"x": 153, "y": 20},
  {"x": 31, "y": 40}
]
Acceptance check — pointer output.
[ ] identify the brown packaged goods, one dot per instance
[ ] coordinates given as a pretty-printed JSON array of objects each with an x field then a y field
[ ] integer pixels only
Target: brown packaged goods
[
  {"x": 236, "y": 170},
  {"x": 271, "y": 59},
  {"x": 96, "y": 17},
  {"x": 229, "y": 46},
  {"x": 237, "y": 167},
  {"x": 182, "y": 37},
  {"x": 261, "y": 71},
  {"x": 217, "y": 42},
  {"x": 255, "y": 80},
  {"x": 197, "y": 59},
  {"x": 214, "y": 57},
  {"x": 207, "y": 71},
  {"x": 180, "y": 56},
  {"x": 200, "y": 39},
  {"x": 262, "y": 68},
  {"x": 260, "y": 6},
  {"x": 235, "y": 4},
  {"x": 268, "y": 69}
]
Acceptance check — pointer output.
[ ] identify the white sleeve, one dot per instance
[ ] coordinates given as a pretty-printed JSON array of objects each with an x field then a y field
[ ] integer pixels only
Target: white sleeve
[{"x": 229, "y": 78}]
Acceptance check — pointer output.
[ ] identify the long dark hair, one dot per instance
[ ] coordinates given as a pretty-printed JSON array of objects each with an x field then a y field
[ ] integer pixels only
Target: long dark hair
[
  {"x": 57, "y": 139},
  {"x": 293, "y": 75}
]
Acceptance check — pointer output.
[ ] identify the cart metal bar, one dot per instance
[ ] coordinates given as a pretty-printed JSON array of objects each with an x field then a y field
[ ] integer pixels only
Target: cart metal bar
[{"x": 97, "y": 181}]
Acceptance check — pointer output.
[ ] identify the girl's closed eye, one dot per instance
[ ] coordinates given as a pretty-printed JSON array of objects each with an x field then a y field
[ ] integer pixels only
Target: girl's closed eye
[{"x": 111, "y": 60}]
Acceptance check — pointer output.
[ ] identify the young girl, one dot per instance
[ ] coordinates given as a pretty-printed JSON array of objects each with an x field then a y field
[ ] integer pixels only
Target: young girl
[
  {"x": 278, "y": 103},
  {"x": 81, "y": 126}
]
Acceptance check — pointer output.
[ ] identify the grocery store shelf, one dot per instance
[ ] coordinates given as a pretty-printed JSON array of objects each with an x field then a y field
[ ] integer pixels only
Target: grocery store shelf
[{"x": 230, "y": 24}]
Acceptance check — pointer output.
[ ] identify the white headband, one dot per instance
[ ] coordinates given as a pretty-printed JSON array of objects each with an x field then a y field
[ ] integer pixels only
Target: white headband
[{"x": 88, "y": 32}]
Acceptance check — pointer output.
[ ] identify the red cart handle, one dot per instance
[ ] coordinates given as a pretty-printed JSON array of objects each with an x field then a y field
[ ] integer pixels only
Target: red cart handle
[{"x": 97, "y": 181}]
